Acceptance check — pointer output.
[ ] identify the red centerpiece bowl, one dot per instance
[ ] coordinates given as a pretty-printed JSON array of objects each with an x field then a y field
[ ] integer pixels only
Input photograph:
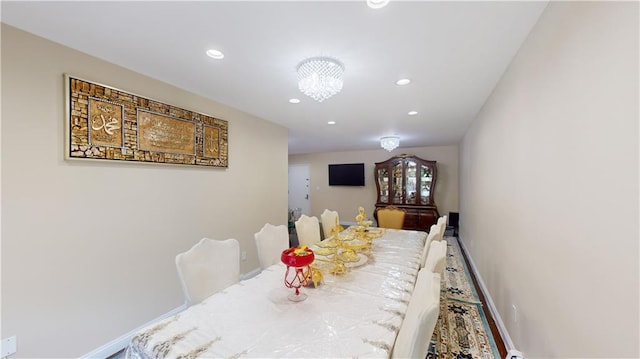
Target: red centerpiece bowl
[
  {"x": 291, "y": 259},
  {"x": 298, "y": 272}
]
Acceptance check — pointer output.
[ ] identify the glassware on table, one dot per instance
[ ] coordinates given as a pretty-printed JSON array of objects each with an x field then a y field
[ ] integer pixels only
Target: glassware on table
[{"x": 298, "y": 272}]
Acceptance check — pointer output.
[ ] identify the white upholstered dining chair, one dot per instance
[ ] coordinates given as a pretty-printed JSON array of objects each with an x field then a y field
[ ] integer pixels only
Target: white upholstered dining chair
[
  {"x": 431, "y": 237},
  {"x": 420, "y": 319},
  {"x": 442, "y": 224},
  {"x": 437, "y": 230},
  {"x": 308, "y": 230},
  {"x": 270, "y": 242},
  {"x": 330, "y": 220},
  {"x": 437, "y": 258},
  {"x": 208, "y": 267}
]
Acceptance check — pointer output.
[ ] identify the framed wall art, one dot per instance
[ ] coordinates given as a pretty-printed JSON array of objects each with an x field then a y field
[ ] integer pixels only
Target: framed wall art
[{"x": 105, "y": 123}]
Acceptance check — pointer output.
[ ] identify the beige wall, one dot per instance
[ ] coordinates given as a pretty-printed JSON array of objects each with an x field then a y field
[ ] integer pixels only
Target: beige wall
[
  {"x": 88, "y": 247},
  {"x": 549, "y": 185},
  {"x": 346, "y": 200}
]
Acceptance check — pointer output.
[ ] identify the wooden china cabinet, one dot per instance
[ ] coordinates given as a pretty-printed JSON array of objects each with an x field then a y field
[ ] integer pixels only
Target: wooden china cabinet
[{"x": 408, "y": 182}]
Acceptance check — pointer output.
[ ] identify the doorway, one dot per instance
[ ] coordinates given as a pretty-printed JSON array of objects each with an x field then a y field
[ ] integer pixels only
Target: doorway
[{"x": 299, "y": 190}]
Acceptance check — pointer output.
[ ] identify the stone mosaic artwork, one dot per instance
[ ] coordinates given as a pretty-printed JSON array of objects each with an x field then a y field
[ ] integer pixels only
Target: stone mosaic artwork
[{"x": 105, "y": 123}]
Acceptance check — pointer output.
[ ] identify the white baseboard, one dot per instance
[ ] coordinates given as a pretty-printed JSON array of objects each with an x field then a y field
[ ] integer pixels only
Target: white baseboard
[
  {"x": 121, "y": 342},
  {"x": 251, "y": 274},
  {"x": 508, "y": 343}
]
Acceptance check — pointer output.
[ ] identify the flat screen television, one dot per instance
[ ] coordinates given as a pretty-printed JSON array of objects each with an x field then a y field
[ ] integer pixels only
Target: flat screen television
[{"x": 346, "y": 174}]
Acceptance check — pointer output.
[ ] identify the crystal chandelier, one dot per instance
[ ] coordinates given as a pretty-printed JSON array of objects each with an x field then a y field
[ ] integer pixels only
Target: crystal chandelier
[
  {"x": 377, "y": 4},
  {"x": 320, "y": 77},
  {"x": 389, "y": 143}
]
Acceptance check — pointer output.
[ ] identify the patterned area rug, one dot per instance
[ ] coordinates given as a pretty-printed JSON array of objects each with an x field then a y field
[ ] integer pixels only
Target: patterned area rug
[{"x": 462, "y": 331}]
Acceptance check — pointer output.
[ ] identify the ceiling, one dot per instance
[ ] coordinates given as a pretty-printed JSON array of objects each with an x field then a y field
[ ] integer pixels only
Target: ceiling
[{"x": 454, "y": 53}]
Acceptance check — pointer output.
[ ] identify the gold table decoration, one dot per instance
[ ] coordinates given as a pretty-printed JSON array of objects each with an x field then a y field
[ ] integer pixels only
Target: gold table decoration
[
  {"x": 343, "y": 249},
  {"x": 326, "y": 251}
]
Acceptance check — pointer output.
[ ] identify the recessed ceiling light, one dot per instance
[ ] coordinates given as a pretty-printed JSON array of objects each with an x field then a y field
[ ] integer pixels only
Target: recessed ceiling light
[
  {"x": 412, "y": 113},
  {"x": 377, "y": 4},
  {"x": 331, "y": 122},
  {"x": 294, "y": 100},
  {"x": 402, "y": 82},
  {"x": 216, "y": 54}
]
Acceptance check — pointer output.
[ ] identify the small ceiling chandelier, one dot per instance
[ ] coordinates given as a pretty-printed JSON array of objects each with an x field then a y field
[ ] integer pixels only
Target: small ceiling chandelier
[
  {"x": 320, "y": 77},
  {"x": 377, "y": 4},
  {"x": 390, "y": 143}
]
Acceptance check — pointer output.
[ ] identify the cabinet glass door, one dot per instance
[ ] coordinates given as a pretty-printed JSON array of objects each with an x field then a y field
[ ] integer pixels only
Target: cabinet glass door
[
  {"x": 426, "y": 176},
  {"x": 397, "y": 183},
  {"x": 383, "y": 182},
  {"x": 411, "y": 182}
]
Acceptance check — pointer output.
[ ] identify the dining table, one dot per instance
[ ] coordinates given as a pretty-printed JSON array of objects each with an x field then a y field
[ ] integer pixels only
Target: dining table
[{"x": 354, "y": 313}]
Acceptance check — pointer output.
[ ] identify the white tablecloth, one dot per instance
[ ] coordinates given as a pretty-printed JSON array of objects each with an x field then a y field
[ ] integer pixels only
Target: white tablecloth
[{"x": 357, "y": 314}]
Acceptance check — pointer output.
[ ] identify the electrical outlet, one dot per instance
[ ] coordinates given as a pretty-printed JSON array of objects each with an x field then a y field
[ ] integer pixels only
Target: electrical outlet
[
  {"x": 243, "y": 255},
  {"x": 8, "y": 346}
]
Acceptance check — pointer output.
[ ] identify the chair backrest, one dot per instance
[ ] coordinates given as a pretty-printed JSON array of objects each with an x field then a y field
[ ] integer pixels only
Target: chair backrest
[
  {"x": 270, "y": 242},
  {"x": 432, "y": 236},
  {"x": 329, "y": 221},
  {"x": 391, "y": 217},
  {"x": 442, "y": 220},
  {"x": 437, "y": 230},
  {"x": 420, "y": 319},
  {"x": 437, "y": 258},
  {"x": 208, "y": 267},
  {"x": 308, "y": 230},
  {"x": 443, "y": 227},
  {"x": 434, "y": 229}
]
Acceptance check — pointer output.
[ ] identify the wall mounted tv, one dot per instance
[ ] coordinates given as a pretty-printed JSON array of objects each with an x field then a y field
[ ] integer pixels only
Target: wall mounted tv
[{"x": 346, "y": 174}]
